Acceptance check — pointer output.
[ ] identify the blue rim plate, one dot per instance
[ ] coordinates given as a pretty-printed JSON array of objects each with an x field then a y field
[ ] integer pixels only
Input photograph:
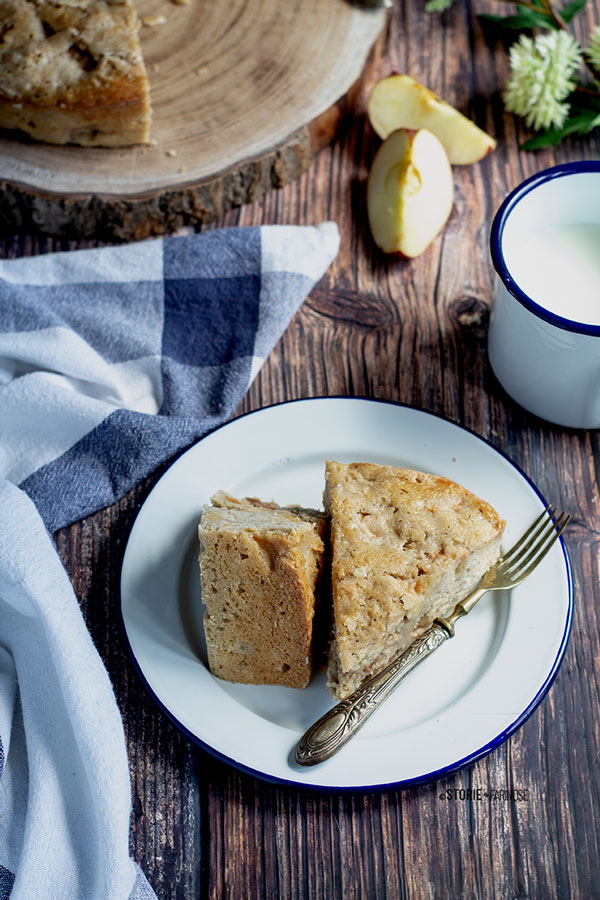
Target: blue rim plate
[{"x": 461, "y": 704}]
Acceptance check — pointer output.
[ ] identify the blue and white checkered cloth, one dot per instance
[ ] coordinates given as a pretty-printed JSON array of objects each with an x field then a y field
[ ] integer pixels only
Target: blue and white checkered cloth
[{"x": 111, "y": 361}]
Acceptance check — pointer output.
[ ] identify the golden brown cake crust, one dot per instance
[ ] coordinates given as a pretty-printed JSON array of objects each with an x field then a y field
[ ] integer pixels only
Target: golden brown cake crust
[
  {"x": 406, "y": 546},
  {"x": 260, "y": 565},
  {"x": 72, "y": 72}
]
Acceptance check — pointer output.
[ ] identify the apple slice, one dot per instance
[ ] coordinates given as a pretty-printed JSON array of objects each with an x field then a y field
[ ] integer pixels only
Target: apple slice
[
  {"x": 410, "y": 192},
  {"x": 401, "y": 102}
]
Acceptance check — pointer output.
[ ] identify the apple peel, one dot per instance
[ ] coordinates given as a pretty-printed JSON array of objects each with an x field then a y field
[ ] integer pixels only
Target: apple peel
[{"x": 399, "y": 101}]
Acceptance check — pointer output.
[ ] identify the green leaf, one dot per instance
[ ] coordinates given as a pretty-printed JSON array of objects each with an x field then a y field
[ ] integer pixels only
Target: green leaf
[
  {"x": 584, "y": 102},
  {"x": 524, "y": 18},
  {"x": 550, "y": 138},
  {"x": 438, "y": 5},
  {"x": 571, "y": 9},
  {"x": 581, "y": 120},
  {"x": 527, "y": 18}
]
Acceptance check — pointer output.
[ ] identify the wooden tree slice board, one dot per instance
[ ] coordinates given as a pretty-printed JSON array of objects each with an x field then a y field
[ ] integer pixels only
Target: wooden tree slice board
[{"x": 243, "y": 93}]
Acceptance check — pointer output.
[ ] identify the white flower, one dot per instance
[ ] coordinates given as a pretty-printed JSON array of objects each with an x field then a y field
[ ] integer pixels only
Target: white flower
[
  {"x": 540, "y": 79},
  {"x": 592, "y": 51}
]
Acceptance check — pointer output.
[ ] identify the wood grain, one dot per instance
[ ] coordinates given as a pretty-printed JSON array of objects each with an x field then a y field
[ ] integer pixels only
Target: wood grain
[
  {"x": 243, "y": 94},
  {"x": 413, "y": 332}
]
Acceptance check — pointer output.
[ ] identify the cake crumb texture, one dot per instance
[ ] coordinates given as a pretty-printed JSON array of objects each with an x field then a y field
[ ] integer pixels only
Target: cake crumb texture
[
  {"x": 72, "y": 72},
  {"x": 406, "y": 547},
  {"x": 260, "y": 566}
]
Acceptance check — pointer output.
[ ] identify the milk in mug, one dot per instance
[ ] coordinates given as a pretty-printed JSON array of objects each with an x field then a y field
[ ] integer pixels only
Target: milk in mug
[{"x": 558, "y": 266}]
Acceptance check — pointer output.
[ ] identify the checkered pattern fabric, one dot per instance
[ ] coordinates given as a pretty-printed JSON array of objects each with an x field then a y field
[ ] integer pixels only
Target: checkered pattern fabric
[{"x": 112, "y": 361}]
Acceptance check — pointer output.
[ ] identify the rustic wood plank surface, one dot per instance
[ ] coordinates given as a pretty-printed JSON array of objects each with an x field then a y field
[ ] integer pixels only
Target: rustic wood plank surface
[{"x": 415, "y": 333}]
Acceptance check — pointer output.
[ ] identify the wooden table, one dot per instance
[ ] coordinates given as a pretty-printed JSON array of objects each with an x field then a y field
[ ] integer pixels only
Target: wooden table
[{"x": 415, "y": 333}]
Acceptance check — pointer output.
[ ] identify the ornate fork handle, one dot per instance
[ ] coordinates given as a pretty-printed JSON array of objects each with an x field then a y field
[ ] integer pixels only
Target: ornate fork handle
[
  {"x": 332, "y": 730},
  {"x": 338, "y": 725}
]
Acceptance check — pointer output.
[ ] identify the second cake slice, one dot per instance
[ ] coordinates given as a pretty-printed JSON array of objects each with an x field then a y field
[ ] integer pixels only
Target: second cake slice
[{"x": 260, "y": 566}]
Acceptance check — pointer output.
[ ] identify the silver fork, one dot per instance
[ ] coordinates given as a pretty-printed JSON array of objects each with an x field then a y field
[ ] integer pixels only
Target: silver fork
[{"x": 338, "y": 725}]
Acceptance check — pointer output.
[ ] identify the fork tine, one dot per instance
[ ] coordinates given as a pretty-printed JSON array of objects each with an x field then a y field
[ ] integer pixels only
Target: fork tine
[
  {"x": 532, "y": 533},
  {"x": 533, "y": 546},
  {"x": 535, "y": 556},
  {"x": 523, "y": 575},
  {"x": 530, "y": 548}
]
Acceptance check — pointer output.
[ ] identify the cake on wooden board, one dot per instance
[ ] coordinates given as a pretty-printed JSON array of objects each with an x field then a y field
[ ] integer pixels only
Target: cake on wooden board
[
  {"x": 260, "y": 566},
  {"x": 406, "y": 547},
  {"x": 72, "y": 72}
]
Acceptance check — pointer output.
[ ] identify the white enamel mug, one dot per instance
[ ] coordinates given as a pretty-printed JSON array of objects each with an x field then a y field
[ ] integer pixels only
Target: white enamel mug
[{"x": 548, "y": 363}]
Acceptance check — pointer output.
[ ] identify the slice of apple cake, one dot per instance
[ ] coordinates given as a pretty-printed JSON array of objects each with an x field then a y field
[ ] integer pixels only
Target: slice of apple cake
[
  {"x": 72, "y": 72},
  {"x": 260, "y": 567},
  {"x": 406, "y": 547}
]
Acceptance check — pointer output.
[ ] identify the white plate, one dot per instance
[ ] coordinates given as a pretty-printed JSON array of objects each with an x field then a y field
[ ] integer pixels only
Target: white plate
[{"x": 464, "y": 701}]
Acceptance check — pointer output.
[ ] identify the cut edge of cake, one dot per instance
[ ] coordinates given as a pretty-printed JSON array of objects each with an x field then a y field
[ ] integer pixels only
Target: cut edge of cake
[{"x": 260, "y": 568}]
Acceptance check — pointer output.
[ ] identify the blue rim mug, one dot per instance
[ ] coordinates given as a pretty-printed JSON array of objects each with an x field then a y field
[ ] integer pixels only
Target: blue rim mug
[{"x": 548, "y": 363}]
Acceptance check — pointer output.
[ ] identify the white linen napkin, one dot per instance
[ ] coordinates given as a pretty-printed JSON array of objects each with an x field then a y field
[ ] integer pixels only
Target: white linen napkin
[{"x": 111, "y": 361}]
